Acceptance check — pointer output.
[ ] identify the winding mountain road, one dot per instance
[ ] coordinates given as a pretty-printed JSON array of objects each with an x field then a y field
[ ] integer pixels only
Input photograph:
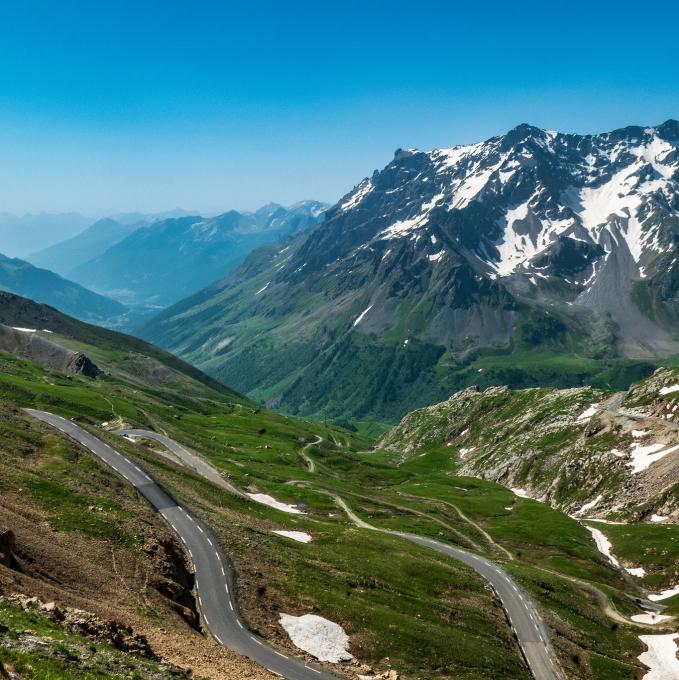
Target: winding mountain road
[
  {"x": 214, "y": 574},
  {"x": 215, "y": 579},
  {"x": 523, "y": 617}
]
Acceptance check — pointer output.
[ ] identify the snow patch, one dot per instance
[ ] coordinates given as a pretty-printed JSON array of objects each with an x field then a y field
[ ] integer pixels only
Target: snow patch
[
  {"x": 664, "y": 594},
  {"x": 263, "y": 288},
  {"x": 587, "y": 413},
  {"x": 637, "y": 434},
  {"x": 658, "y": 518},
  {"x": 650, "y": 619},
  {"x": 640, "y": 572},
  {"x": 265, "y": 499},
  {"x": 363, "y": 189},
  {"x": 436, "y": 257},
  {"x": 464, "y": 451},
  {"x": 300, "y": 536},
  {"x": 661, "y": 657},
  {"x": 25, "y": 330},
  {"x": 603, "y": 545},
  {"x": 359, "y": 318},
  {"x": 321, "y": 638},
  {"x": 589, "y": 505},
  {"x": 668, "y": 390},
  {"x": 644, "y": 456}
]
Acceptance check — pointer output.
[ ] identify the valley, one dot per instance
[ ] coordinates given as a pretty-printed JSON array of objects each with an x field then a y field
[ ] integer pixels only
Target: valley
[{"x": 421, "y": 613}]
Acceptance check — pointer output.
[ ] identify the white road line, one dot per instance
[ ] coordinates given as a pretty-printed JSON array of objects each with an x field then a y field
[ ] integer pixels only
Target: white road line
[
  {"x": 315, "y": 670},
  {"x": 239, "y": 623},
  {"x": 279, "y": 654},
  {"x": 231, "y": 605},
  {"x": 218, "y": 639}
]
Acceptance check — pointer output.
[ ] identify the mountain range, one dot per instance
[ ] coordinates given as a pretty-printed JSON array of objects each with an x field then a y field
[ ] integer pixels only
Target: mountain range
[
  {"x": 42, "y": 285},
  {"x": 24, "y": 234},
  {"x": 534, "y": 257},
  {"x": 159, "y": 263},
  {"x": 66, "y": 255}
]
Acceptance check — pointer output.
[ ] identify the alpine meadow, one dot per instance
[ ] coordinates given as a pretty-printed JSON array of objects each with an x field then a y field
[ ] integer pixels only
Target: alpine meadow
[{"x": 267, "y": 411}]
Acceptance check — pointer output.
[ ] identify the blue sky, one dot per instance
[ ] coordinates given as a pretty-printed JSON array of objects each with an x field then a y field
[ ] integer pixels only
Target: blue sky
[{"x": 140, "y": 105}]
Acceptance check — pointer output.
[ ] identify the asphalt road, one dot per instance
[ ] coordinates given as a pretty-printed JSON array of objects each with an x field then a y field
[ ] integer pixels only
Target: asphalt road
[
  {"x": 520, "y": 609},
  {"x": 214, "y": 574},
  {"x": 530, "y": 632},
  {"x": 185, "y": 456}
]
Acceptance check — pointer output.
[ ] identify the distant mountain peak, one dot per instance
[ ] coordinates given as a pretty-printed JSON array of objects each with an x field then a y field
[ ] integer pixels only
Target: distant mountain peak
[{"x": 459, "y": 249}]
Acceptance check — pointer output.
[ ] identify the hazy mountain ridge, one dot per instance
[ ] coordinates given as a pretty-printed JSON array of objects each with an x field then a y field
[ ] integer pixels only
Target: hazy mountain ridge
[
  {"x": 65, "y": 256},
  {"x": 42, "y": 285},
  {"x": 171, "y": 258},
  {"x": 531, "y": 241},
  {"x": 24, "y": 234}
]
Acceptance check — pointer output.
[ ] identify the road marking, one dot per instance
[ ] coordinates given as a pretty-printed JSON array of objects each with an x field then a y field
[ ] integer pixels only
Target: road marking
[
  {"x": 218, "y": 639},
  {"x": 224, "y": 574},
  {"x": 226, "y": 586},
  {"x": 231, "y": 605},
  {"x": 279, "y": 654},
  {"x": 239, "y": 623},
  {"x": 315, "y": 670}
]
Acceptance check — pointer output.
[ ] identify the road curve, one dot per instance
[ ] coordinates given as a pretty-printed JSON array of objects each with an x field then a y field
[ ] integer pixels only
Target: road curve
[
  {"x": 185, "y": 456},
  {"x": 214, "y": 575},
  {"x": 520, "y": 609},
  {"x": 530, "y": 632}
]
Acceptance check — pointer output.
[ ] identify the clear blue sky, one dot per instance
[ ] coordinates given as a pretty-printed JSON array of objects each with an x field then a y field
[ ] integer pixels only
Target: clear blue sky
[{"x": 147, "y": 105}]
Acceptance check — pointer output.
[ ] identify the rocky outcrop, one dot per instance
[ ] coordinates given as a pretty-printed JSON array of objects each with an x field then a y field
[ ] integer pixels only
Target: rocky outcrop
[
  {"x": 87, "y": 624},
  {"x": 28, "y": 344},
  {"x": 173, "y": 579},
  {"x": 7, "y": 550}
]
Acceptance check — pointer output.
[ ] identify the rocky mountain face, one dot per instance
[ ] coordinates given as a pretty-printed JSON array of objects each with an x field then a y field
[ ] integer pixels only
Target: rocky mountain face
[
  {"x": 533, "y": 241},
  {"x": 158, "y": 264},
  {"x": 589, "y": 453},
  {"x": 42, "y": 285}
]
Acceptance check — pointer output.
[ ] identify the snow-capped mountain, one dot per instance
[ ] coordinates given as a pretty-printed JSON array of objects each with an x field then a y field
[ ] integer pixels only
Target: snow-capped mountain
[{"x": 528, "y": 238}]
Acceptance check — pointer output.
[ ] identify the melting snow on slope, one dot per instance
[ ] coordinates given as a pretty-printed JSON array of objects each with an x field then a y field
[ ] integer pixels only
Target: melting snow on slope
[
  {"x": 668, "y": 390},
  {"x": 300, "y": 536},
  {"x": 658, "y": 518},
  {"x": 664, "y": 594},
  {"x": 364, "y": 188},
  {"x": 321, "y": 638},
  {"x": 589, "y": 505},
  {"x": 24, "y": 330},
  {"x": 637, "y": 434},
  {"x": 650, "y": 619},
  {"x": 464, "y": 451},
  {"x": 644, "y": 456},
  {"x": 587, "y": 413},
  {"x": 522, "y": 493},
  {"x": 436, "y": 256},
  {"x": 359, "y": 318},
  {"x": 603, "y": 545},
  {"x": 263, "y": 288},
  {"x": 265, "y": 499},
  {"x": 639, "y": 572},
  {"x": 517, "y": 245},
  {"x": 661, "y": 657}
]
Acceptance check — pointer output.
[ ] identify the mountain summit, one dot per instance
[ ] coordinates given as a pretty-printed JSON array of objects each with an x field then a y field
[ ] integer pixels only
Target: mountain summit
[{"x": 530, "y": 241}]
